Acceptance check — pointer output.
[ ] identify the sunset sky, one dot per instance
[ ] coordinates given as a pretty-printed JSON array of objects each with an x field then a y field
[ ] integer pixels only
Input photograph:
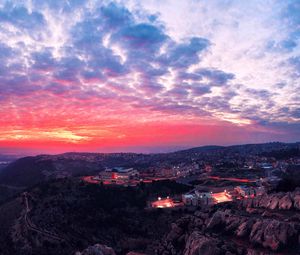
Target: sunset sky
[{"x": 147, "y": 76}]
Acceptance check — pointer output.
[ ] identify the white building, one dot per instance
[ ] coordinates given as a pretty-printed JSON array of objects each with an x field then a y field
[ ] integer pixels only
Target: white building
[
  {"x": 118, "y": 173},
  {"x": 197, "y": 198},
  {"x": 246, "y": 191}
]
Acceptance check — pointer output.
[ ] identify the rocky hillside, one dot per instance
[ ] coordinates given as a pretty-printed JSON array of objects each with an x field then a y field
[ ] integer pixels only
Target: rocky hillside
[
  {"x": 68, "y": 216},
  {"x": 266, "y": 225},
  {"x": 269, "y": 224}
]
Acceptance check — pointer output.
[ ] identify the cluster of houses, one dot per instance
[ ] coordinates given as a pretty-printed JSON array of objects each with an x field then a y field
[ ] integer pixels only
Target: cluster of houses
[
  {"x": 249, "y": 191},
  {"x": 198, "y": 198},
  {"x": 118, "y": 174}
]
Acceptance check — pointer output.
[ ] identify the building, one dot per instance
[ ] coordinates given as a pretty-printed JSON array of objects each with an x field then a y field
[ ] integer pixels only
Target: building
[
  {"x": 246, "y": 191},
  {"x": 197, "y": 198},
  {"x": 119, "y": 173},
  {"x": 163, "y": 203},
  {"x": 167, "y": 172}
]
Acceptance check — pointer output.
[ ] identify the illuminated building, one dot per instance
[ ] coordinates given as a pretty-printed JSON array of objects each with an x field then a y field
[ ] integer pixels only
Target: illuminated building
[
  {"x": 246, "y": 191},
  {"x": 198, "y": 198},
  {"x": 118, "y": 173}
]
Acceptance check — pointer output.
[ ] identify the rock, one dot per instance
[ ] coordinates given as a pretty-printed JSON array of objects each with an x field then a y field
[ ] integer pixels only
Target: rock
[
  {"x": 97, "y": 249},
  {"x": 272, "y": 234},
  {"x": 197, "y": 244},
  {"x": 216, "y": 220},
  {"x": 175, "y": 232},
  {"x": 285, "y": 202},
  {"x": 252, "y": 210},
  {"x": 245, "y": 228},
  {"x": 232, "y": 223},
  {"x": 247, "y": 202},
  {"x": 257, "y": 232},
  {"x": 274, "y": 202},
  {"x": 271, "y": 239},
  {"x": 201, "y": 215},
  {"x": 296, "y": 199},
  {"x": 256, "y": 201},
  {"x": 135, "y": 253},
  {"x": 254, "y": 252},
  {"x": 264, "y": 201}
]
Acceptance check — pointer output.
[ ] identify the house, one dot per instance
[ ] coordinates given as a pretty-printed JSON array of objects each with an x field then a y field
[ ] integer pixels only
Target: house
[
  {"x": 118, "y": 173},
  {"x": 197, "y": 198},
  {"x": 246, "y": 191}
]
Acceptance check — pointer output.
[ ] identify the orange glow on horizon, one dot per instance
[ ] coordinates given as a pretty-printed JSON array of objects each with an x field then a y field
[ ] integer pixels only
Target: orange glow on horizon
[{"x": 108, "y": 137}]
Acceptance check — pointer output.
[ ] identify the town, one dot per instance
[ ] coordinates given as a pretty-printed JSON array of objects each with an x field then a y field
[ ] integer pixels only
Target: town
[{"x": 223, "y": 181}]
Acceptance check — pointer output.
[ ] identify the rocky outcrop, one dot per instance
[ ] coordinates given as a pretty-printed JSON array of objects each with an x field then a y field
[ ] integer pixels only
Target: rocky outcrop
[
  {"x": 97, "y": 249},
  {"x": 135, "y": 253},
  {"x": 280, "y": 200},
  {"x": 216, "y": 220},
  {"x": 198, "y": 244},
  {"x": 244, "y": 229},
  {"x": 296, "y": 199},
  {"x": 286, "y": 202},
  {"x": 238, "y": 230}
]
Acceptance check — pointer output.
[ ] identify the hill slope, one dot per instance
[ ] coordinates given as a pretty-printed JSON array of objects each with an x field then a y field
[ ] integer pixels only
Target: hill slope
[{"x": 31, "y": 170}]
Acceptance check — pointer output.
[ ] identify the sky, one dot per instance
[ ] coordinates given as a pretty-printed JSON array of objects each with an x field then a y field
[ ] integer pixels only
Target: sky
[{"x": 147, "y": 76}]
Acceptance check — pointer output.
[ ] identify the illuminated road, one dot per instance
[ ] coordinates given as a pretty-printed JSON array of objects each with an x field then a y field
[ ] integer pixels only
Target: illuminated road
[
  {"x": 164, "y": 203},
  {"x": 222, "y": 197},
  {"x": 231, "y": 179},
  {"x": 90, "y": 179}
]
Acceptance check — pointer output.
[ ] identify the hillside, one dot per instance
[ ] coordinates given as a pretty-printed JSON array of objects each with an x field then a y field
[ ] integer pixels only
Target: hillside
[
  {"x": 63, "y": 216},
  {"x": 32, "y": 170}
]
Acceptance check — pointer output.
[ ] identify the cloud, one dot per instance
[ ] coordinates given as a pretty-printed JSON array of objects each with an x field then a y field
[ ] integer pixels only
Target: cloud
[
  {"x": 141, "y": 36},
  {"x": 116, "y": 16},
  {"x": 85, "y": 61},
  {"x": 185, "y": 54},
  {"x": 20, "y": 17},
  {"x": 216, "y": 77}
]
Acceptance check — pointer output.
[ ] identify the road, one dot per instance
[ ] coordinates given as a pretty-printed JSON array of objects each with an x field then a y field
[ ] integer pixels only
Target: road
[
  {"x": 232, "y": 179},
  {"x": 90, "y": 179},
  {"x": 32, "y": 227},
  {"x": 12, "y": 187}
]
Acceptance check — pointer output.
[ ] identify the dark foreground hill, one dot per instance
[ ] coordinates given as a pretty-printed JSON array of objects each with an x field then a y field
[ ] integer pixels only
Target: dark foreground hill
[{"x": 65, "y": 216}]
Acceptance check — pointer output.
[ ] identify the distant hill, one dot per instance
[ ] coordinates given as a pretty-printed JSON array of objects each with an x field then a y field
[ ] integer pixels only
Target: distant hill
[
  {"x": 202, "y": 149},
  {"x": 31, "y": 170},
  {"x": 245, "y": 148}
]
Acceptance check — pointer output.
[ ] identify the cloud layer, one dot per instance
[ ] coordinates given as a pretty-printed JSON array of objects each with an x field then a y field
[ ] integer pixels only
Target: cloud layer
[{"x": 99, "y": 74}]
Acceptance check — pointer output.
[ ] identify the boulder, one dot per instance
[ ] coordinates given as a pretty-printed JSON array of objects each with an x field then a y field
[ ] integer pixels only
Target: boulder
[
  {"x": 174, "y": 233},
  {"x": 216, "y": 220},
  {"x": 271, "y": 239},
  {"x": 245, "y": 228},
  {"x": 232, "y": 223},
  {"x": 135, "y": 253},
  {"x": 257, "y": 232},
  {"x": 97, "y": 249},
  {"x": 197, "y": 244},
  {"x": 296, "y": 199},
  {"x": 285, "y": 202},
  {"x": 274, "y": 202},
  {"x": 264, "y": 201}
]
